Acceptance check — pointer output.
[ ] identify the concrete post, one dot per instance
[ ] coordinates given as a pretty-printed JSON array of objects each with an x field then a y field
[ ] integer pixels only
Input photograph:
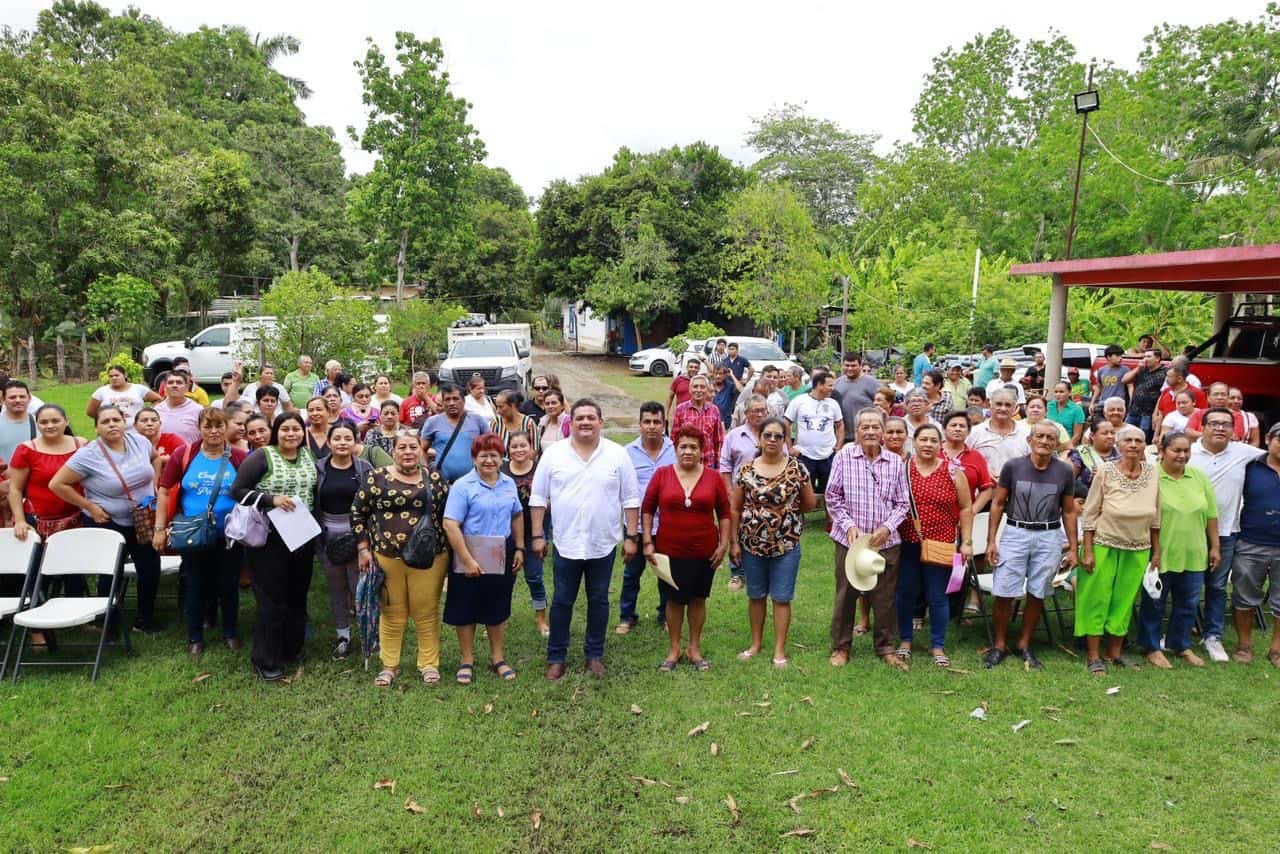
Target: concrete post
[
  {"x": 1057, "y": 332},
  {"x": 1223, "y": 308}
]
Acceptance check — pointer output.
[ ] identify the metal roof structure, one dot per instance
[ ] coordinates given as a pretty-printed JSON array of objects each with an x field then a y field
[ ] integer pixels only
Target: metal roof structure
[{"x": 1232, "y": 269}]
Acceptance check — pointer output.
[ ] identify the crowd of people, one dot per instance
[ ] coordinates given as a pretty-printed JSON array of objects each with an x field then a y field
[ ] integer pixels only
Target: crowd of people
[{"x": 1127, "y": 490}]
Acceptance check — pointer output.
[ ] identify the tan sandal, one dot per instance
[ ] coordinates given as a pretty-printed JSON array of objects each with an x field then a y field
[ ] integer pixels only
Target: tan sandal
[
  {"x": 840, "y": 658},
  {"x": 385, "y": 677},
  {"x": 430, "y": 675}
]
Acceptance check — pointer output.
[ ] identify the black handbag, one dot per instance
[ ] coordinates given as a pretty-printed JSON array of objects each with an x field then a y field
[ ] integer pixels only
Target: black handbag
[
  {"x": 342, "y": 548},
  {"x": 198, "y": 533},
  {"x": 420, "y": 549}
]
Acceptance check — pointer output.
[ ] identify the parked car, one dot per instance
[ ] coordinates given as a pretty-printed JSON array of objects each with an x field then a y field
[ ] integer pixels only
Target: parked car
[
  {"x": 654, "y": 361},
  {"x": 758, "y": 351},
  {"x": 501, "y": 361},
  {"x": 212, "y": 351}
]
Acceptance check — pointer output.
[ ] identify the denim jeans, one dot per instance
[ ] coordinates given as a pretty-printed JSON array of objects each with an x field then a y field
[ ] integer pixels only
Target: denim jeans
[
  {"x": 912, "y": 575},
  {"x": 218, "y": 570},
  {"x": 632, "y": 572},
  {"x": 1185, "y": 588},
  {"x": 534, "y": 567},
  {"x": 569, "y": 575},
  {"x": 1142, "y": 421},
  {"x": 1215, "y": 590}
]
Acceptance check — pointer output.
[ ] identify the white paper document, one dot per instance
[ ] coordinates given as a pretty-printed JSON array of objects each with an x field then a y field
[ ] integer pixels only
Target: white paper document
[{"x": 296, "y": 527}]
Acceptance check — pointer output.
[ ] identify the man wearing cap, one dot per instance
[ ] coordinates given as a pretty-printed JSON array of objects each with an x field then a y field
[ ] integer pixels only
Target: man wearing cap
[
  {"x": 1223, "y": 462},
  {"x": 866, "y": 495},
  {"x": 956, "y": 386},
  {"x": 1038, "y": 493},
  {"x": 987, "y": 368},
  {"x": 1079, "y": 387},
  {"x": 1257, "y": 559},
  {"x": 1007, "y": 367}
]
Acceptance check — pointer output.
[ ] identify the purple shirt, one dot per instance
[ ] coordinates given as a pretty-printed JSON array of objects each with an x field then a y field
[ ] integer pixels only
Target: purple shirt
[
  {"x": 866, "y": 494},
  {"x": 740, "y": 447}
]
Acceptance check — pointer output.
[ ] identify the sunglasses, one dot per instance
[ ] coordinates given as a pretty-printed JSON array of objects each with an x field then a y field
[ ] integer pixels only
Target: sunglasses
[
  {"x": 772, "y": 437},
  {"x": 541, "y": 387}
]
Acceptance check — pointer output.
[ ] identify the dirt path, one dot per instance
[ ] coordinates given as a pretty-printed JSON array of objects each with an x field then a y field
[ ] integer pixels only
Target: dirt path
[{"x": 580, "y": 376}]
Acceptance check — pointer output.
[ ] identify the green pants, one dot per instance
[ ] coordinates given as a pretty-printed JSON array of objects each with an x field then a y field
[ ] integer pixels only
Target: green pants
[{"x": 1105, "y": 597}]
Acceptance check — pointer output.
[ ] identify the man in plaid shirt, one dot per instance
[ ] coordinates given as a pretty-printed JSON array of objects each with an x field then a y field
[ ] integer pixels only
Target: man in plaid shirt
[
  {"x": 867, "y": 493},
  {"x": 699, "y": 411}
]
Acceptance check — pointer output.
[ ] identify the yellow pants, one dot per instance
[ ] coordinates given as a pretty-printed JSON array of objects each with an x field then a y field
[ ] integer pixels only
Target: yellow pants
[{"x": 411, "y": 594}]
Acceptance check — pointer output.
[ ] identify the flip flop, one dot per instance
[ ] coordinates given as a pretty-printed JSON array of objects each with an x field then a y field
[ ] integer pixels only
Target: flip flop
[
  {"x": 746, "y": 655},
  {"x": 506, "y": 671},
  {"x": 465, "y": 674},
  {"x": 781, "y": 663},
  {"x": 701, "y": 665},
  {"x": 668, "y": 665}
]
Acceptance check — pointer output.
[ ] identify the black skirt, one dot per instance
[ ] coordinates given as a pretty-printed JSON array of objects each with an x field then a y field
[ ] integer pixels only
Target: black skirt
[
  {"x": 694, "y": 577},
  {"x": 479, "y": 599}
]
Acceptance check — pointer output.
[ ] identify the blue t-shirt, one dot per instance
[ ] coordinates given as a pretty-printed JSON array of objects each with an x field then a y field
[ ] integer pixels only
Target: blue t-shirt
[
  {"x": 437, "y": 431},
  {"x": 986, "y": 372},
  {"x": 1260, "y": 514},
  {"x": 918, "y": 367},
  {"x": 480, "y": 509},
  {"x": 197, "y": 486}
]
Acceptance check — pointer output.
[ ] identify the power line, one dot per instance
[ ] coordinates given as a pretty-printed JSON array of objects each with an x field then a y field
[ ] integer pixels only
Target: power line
[{"x": 1168, "y": 182}]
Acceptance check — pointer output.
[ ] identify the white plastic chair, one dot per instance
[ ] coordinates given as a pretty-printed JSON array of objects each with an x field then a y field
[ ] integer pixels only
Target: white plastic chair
[
  {"x": 17, "y": 557},
  {"x": 79, "y": 551}
]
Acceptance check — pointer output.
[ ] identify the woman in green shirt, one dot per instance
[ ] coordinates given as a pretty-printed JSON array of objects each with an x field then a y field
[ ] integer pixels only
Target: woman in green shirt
[
  {"x": 1188, "y": 545},
  {"x": 1066, "y": 412}
]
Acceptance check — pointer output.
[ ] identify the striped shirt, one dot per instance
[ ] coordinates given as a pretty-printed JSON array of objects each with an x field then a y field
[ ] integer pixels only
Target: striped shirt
[
  {"x": 866, "y": 494},
  {"x": 707, "y": 420}
]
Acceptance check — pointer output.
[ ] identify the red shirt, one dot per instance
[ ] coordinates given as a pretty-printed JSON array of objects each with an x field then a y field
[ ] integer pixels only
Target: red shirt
[
  {"x": 41, "y": 468},
  {"x": 975, "y": 470},
  {"x": 686, "y": 532},
  {"x": 1166, "y": 405},
  {"x": 414, "y": 411},
  {"x": 709, "y": 423},
  {"x": 680, "y": 388},
  {"x": 935, "y": 503},
  {"x": 1239, "y": 429}
]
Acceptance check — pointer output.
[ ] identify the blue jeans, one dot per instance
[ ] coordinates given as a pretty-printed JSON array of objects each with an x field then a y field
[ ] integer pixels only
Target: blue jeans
[
  {"x": 533, "y": 572},
  {"x": 632, "y": 572},
  {"x": 1143, "y": 421},
  {"x": 912, "y": 574},
  {"x": 568, "y": 575},
  {"x": 772, "y": 577},
  {"x": 1215, "y": 590},
  {"x": 1185, "y": 588}
]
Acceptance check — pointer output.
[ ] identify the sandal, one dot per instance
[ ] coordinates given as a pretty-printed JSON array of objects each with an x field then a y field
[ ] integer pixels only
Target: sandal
[
  {"x": 1274, "y": 657},
  {"x": 430, "y": 675},
  {"x": 941, "y": 659},
  {"x": 839, "y": 658},
  {"x": 385, "y": 677},
  {"x": 668, "y": 665},
  {"x": 781, "y": 663},
  {"x": 504, "y": 670},
  {"x": 1242, "y": 656},
  {"x": 904, "y": 652},
  {"x": 700, "y": 664},
  {"x": 860, "y": 630},
  {"x": 1097, "y": 667},
  {"x": 464, "y": 674},
  {"x": 747, "y": 655}
]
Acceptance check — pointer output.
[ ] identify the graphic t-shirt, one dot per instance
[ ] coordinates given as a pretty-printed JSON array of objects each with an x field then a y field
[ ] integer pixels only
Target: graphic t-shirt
[
  {"x": 129, "y": 400},
  {"x": 816, "y": 425},
  {"x": 1035, "y": 495}
]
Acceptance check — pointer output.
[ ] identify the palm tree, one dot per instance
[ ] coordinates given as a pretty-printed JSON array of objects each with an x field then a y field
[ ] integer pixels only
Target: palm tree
[{"x": 274, "y": 47}]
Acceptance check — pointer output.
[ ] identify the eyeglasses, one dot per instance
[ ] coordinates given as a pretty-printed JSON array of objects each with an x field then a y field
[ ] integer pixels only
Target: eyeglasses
[
  {"x": 1219, "y": 425},
  {"x": 541, "y": 387},
  {"x": 772, "y": 437}
]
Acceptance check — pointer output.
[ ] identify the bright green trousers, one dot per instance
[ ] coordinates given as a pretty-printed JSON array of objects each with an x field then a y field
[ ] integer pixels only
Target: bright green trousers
[{"x": 1105, "y": 597}]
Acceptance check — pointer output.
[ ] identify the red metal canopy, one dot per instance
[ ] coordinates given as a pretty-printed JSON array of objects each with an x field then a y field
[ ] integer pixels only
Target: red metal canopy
[{"x": 1233, "y": 269}]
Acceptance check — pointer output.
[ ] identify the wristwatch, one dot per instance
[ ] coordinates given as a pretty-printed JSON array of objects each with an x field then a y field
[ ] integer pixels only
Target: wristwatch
[{"x": 635, "y": 538}]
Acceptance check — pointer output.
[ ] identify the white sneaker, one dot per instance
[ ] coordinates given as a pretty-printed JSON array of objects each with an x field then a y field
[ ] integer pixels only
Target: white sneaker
[{"x": 1216, "y": 651}]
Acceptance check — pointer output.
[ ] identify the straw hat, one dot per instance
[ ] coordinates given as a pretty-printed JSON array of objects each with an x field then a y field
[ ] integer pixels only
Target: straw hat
[
  {"x": 863, "y": 564},
  {"x": 1006, "y": 362}
]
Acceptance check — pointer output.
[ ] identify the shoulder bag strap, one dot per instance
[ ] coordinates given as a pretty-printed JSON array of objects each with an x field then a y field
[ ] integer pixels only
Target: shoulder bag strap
[
  {"x": 453, "y": 438},
  {"x": 911, "y": 499},
  {"x": 31, "y": 425},
  {"x": 106, "y": 454},
  {"x": 217, "y": 482}
]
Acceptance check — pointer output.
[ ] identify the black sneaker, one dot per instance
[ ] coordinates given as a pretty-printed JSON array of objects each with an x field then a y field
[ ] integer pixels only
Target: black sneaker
[
  {"x": 994, "y": 656},
  {"x": 1029, "y": 661},
  {"x": 342, "y": 650},
  {"x": 268, "y": 675}
]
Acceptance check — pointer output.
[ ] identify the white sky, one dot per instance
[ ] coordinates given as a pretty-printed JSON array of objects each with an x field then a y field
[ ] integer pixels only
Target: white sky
[{"x": 558, "y": 87}]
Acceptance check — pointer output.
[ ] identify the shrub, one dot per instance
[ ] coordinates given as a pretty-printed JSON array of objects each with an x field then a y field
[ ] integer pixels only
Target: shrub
[{"x": 122, "y": 359}]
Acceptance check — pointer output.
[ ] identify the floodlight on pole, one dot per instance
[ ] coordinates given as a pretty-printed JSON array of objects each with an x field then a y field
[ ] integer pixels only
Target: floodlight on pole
[{"x": 1087, "y": 102}]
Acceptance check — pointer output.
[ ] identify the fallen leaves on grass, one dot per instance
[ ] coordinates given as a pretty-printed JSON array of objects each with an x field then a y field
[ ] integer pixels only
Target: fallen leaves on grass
[
  {"x": 808, "y": 700},
  {"x": 1067, "y": 742},
  {"x": 1059, "y": 804},
  {"x": 488, "y": 708},
  {"x": 4, "y": 779},
  {"x": 700, "y": 728},
  {"x": 410, "y": 805},
  {"x": 1068, "y": 650},
  {"x": 91, "y": 849},
  {"x": 785, "y": 773},
  {"x": 807, "y": 743},
  {"x": 475, "y": 810},
  {"x": 1111, "y": 692},
  {"x": 385, "y": 783},
  {"x": 794, "y": 803},
  {"x": 636, "y": 710},
  {"x": 733, "y": 808},
  {"x": 763, "y": 705},
  {"x": 502, "y": 813},
  {"x": 959, "y": 671},
  {"x": 745, "y": 715},
  {"x": 945, "y": 693},
  {"x": 1160, "y": 846},
  {"x": 1050, "y": 709},
  {"x": 846, "y": 779},
  {"x": 979, "y": 714},
  {"x": 111, "y": 787},
  {"x": 715, "y": 749},
  {"x": 533, "y": 713},
  {"x": 683, "y": 800},
  {"x": 799, "y": 831},
  {"x": 200, "y": 677},
  {"x": 644, "y": 781},
  {"x": 1021, "y": 725},
  {"x": 536, "y": 818},
  {"x": 912, "y": 842}
]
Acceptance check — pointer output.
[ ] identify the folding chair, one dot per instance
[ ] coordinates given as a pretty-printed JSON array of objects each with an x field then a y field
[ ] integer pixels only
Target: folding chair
[
  {"x": 17, "y": 557},
  {"x": 80, "y": 551},
  {"x": 169, "y": 565},
  {"x": 985, "y": 583}
]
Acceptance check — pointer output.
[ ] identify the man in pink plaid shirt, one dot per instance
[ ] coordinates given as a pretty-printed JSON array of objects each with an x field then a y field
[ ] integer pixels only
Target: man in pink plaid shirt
[
  {"x": 699, "y": 411},
  {"x": 867, "y": 493}
]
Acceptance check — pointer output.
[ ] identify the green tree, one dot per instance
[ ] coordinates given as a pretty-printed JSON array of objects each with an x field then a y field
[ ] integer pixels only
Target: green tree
[
  {"x": 421, "y": 328},
  {"x": 314, "y": 316},
  {"x": 414, "y": 197},
  {"x": 120, "y": 307},
  {"x": 772, "y": 270},
  {"x": 643, "y": 282}
]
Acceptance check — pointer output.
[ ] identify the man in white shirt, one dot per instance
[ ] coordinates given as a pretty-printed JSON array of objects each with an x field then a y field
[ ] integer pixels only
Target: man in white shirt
[
  {"x": 267, "y": 376},
  {"x": 1223, "y": 462},
  {"x": 819, "y": 428},
  {"x": 1007, "y": 367},
  {"x": 1000, "y": 438},
  {"x": 588, "y": 481}
]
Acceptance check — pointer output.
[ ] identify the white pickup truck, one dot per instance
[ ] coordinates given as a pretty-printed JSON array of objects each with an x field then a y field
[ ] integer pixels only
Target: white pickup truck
[
  {"x": 499, "y": 352},
  {"x": 212, "y": 351}
]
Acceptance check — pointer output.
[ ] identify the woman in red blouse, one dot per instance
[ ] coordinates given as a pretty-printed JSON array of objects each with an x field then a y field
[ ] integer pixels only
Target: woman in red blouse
[
  {"x": 940, "y": 508},
  {"x": 692, "y": 509},
  {"x": 34, "y": 464},
  {"x": 955, "y": 430}
]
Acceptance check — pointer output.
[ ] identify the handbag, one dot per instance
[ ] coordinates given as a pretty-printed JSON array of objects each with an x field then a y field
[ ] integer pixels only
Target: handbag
[
  {"x": 341, "y": 548},
  {"x": 46, "y": 528},
  {"x": 144, "y": 515},
  {"x": 933, "y": 552},
  {"x": 247, "y": 524},
  {"x": 419, "y": 551},
  {"x": 198, "y": 533}
]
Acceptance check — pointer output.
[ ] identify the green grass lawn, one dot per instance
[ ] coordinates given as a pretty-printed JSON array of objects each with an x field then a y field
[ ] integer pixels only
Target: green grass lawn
[
  {"x": 72, "y": 398},
  {"x": 150, "y": 759}
]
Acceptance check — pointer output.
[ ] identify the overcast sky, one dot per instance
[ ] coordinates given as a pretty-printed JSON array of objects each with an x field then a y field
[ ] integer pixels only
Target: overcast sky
[{"x": 558, "y": 87}]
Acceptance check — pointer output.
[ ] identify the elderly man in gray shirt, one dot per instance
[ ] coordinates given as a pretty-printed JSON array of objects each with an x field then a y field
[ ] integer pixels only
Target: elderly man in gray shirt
[{"x": 855, "y": 390}]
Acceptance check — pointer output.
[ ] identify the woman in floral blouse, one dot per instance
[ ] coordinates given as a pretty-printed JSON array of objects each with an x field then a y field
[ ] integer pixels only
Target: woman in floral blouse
[
  {"x": 770, "y": 497},
  {"x": 383, "y": 515}
]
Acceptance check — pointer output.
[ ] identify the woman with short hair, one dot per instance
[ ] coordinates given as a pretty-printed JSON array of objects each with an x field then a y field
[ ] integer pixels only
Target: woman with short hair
[
  {"x": 770, "y": 496},
  {"x": 691, "y": 506},
  {"x": 1188, "y": 545},
  {"x": 382, "y": 393},
  {"x": 384, "y": 513},
  {"x": 129, "y": 398},
  {"x": 384, "y": 433},
  {"x": 187, "y": 487},
  {"x": 520, "y": 467},
  {"x": 1101, "y": 448},
  {"x": 319, "y": 417},
  {"x": 1121, "y": 536},
  {"x": 1064, "y": 411},
  {"x": 361, "y": 411},
  {"x": 339, "y": 475},
  {"x": 895, "y": 437},
  {"x": 257, "y": 431},
  {"x": 509, "y": 420},
  {"x": 553, "y": 426}
]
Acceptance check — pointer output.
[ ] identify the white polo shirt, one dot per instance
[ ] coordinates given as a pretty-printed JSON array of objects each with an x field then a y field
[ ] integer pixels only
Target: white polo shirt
[
  {"x": 587, "y": 497},
  {"x": 996, "y": 448},
  {"x": 1226, "y": 474}
]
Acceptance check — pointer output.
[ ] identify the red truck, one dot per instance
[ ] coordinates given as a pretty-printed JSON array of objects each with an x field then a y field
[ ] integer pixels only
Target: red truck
[{"x": 1244, "y": 354}]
